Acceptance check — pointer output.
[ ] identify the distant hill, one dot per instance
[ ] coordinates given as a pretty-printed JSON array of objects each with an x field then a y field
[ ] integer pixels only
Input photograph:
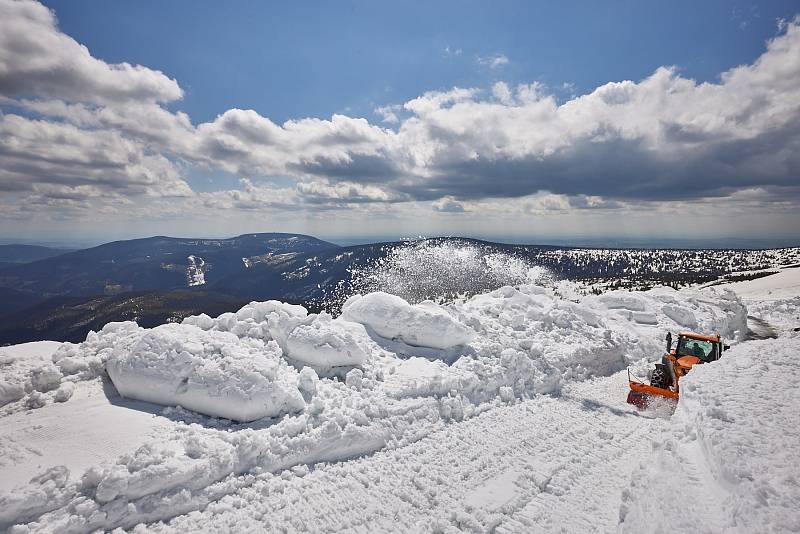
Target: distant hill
[
  {"x": 14, "y": 301},
  {"x": 28, "y": 253},
  {"x": 159, "y": 279},
  {"x": 304, "y": 277},
  {"x": 314, "y": 277},
  {"x": 153, "y": 263}
]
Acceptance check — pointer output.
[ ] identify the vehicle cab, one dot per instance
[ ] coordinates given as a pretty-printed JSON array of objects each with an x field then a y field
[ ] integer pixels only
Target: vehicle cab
[{"x": 692, "y": 349}]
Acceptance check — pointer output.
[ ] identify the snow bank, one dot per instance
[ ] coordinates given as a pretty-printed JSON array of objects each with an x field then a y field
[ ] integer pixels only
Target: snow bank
[
  {"x": 317, "y": 340},
  {"x": 783, "y": 284},
  {"x": 622, "y": 300},
  {"x": 211, "y": 372},
  {"x": 706, "y": 311},
  {"x": 45, "y": 492},
  {"x": 26, "y": 370},
  {"x": 262, "y": 320},
  {"x": 447, "y": 363},
  {"x": 422, "y": 325},
  {"x": 774, "y": 299},
  {"x": 731, "y": 451},
  {"x": 87, "y": 360},
  {"x": 783, "y": 314}
]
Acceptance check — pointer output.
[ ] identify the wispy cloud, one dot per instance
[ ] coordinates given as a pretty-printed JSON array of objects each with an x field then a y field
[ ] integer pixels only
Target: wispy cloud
[
  {"x": 452, "y": 51},
  {"x": 745, "y": 16},
  {"x": 493, "y": 61}
]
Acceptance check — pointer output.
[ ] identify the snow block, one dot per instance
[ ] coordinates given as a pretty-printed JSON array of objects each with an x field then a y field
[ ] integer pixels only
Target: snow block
[
  {"x": 680, "y": 315},
  {"x": 422, "y": 325},
  {"x": 645, "y": 318},
  {"x": 211, "y": 372},
  {"x": 619, "y": 300},
  {"x": 325, "y": 342}
]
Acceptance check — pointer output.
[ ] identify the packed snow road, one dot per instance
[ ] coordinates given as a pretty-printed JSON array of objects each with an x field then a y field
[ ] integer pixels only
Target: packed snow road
[{"x": 548, "y": 464}]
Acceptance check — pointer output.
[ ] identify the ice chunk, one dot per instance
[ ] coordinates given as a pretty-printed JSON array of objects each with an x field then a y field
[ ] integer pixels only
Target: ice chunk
[
  {"x": 423, "y": 325},
  {"x": 354, "y": 378},
  {"x": 10, "y": 392},
  {"x": 211, "y": 372},
  {"x": 506, "y": 394},
  {"x": 46, "y": 378},
  {"x": 64, "y": 393},
  {"x": 307, "y": 380},
  {"x": 36, "y": 399},
  {"x": 69, "y": 365}
]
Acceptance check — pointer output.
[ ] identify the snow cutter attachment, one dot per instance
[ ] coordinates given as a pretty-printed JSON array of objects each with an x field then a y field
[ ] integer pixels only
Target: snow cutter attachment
[
  {"x": 641, "y": 393},
  {"x": 691, "y": 349}
]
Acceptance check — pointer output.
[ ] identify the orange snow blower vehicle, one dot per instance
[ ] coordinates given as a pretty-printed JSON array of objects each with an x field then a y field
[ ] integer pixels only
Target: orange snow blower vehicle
[{"x": 690, "y": 350}]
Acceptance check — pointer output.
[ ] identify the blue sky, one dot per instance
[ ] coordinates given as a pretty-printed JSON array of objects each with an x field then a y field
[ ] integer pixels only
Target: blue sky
[
  {"x": 520, "y": 121},
  {"x": 312, "y": 59}
]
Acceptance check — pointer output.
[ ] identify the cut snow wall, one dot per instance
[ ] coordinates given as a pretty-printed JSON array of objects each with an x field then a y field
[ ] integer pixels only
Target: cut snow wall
[{"x": 214, "y": 373}]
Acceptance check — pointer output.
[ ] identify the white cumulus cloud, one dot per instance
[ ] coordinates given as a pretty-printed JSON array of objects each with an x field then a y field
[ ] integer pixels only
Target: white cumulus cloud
[{"x": 74, "y": 127}]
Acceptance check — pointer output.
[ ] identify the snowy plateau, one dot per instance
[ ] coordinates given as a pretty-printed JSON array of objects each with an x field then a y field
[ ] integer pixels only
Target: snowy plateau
[{"x": 500, "y": 412}]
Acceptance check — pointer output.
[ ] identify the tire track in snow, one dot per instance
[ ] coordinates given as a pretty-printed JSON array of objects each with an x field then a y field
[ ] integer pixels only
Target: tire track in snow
[{"x": 544, "y": 464}]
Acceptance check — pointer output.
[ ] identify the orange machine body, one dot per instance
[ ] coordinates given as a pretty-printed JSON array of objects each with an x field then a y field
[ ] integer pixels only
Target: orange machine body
[{"x": 678, "y": 366}]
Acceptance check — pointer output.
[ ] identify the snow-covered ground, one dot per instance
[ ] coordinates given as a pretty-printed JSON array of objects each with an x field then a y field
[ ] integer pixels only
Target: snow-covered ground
[
  {"x": 784, "y": 284},
  {"x": 773, "y": 300},
  {"x": 513, "y": 419}
]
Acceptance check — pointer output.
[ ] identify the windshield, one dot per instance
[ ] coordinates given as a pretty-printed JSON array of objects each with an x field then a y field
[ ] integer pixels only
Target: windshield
[{"x": 705, "y": 350}]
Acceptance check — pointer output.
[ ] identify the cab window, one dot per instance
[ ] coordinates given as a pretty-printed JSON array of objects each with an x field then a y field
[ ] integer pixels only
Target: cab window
[{"x": 705, "y": 350}]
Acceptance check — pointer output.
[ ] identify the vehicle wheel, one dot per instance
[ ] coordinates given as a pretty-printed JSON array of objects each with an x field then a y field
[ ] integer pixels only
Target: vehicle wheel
[{"x": 659, "y": 378}]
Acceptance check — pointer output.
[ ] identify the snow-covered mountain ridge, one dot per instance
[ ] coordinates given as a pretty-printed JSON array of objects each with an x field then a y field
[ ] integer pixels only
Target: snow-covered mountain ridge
[{"x": 157, "y": 280}]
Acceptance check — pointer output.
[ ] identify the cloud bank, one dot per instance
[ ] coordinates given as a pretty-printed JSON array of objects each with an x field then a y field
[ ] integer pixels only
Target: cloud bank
[{"x": 75, "y": 128}]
